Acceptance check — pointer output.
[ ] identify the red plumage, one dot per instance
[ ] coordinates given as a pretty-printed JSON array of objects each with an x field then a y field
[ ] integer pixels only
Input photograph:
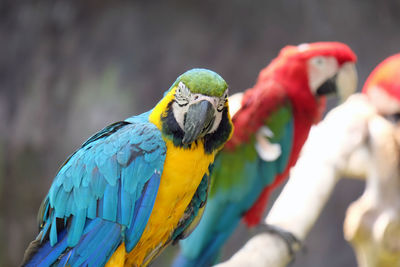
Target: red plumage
[
  {"x": 285, "y": 79},
  {"x": 386, "y": 76}
]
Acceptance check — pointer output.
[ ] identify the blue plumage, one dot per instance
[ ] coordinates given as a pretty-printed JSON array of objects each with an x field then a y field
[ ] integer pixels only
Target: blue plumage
[
  {"x": 142, "y": 211},
  {"x": 104, "y": 193},
  {"x": 107, "y": 188},
  {"x": 47, "y": 253}
]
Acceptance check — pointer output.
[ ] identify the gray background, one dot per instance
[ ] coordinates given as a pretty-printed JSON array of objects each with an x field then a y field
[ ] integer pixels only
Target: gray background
[{"x": 69, "y": 68}]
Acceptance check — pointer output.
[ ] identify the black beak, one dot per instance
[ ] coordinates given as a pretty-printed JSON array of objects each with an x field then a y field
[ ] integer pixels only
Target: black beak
[
  {"x": 199, "y": 120},
  {"x": 328, "y": 87}
]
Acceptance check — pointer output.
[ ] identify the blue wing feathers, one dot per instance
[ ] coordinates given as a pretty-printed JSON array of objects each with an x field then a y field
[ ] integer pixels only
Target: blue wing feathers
[
  {"x": 98, "y": 184},
  {"x": 102, "y": 237},
  {"x": 78, "y": 172},
  {"x": 105, "y": 132},
  {"x": 110, "y": 203},
  {"x": 53, "y": 232},
  {"x": 67, "y": 183},
  {"x": 47, "y": 254},
  {"x": 127, "y": 206},
  {"x": 91, "y": 211},
  {"x": 114, "y": 179},
  {"x": 143, "y": 207},
  {"x": 80, "y": 195},
  {"x": 44, "y": 230},
  {"x": 110, "y": 170},
  {"x": 129, "y": 171},
  {"x": 124, "y": 155},
  {"x": 64, "y": 260},
  {"x": 61, "y": 201},
  {"x": 76, "y": 229}
]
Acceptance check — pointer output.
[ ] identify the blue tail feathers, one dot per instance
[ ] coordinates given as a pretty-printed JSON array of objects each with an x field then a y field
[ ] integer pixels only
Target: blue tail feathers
[{"x": 98, "y": 242}]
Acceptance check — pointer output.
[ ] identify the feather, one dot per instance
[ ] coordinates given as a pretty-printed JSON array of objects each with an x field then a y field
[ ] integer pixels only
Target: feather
[
  {"x": 109, "y": 169},
  {"x": 127, "y": 208},
  {"x": 143, "y": 207},
  {"x": 61, "y": 203},
  {"x": 110, "y": 202},
  {"x": 53, "y": 232},
  {"x": 92, "y": 208},
  {"x": 82, "y": 197},
  {"x": 124, "y": 155},
  {"x": 47, "y": 254},
  {"x": 96, "y": 193},
  {"x": 128, "y": 176},
  {"x": 76, "y": 229},
  {"x": 98, "y": 184},
  {"x": 77, "y": 174}
]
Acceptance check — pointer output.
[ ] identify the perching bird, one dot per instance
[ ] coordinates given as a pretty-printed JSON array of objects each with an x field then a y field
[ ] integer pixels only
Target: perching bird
[
  {"x": 372, "y": 221},
  {"x": 138, "y": 184},
  {"x": 272, "y": 121},
  {"x": 383, "y": 88}
]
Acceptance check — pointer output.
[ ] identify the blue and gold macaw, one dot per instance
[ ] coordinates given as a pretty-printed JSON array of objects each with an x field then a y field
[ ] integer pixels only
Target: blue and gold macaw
[{"x": 137, "y": 185}]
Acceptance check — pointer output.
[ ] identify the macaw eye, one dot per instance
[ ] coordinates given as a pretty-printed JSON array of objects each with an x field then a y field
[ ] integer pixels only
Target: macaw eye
[
  {"x": 182, "y": 94},
  {"x": 318, "y": 61},
  {"x": 222, "y": 101},
  {"x": 394, "y": 118}
]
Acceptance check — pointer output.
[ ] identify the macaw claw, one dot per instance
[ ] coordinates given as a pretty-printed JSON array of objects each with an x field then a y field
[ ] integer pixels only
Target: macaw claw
[{"x": 293, "y": 244}]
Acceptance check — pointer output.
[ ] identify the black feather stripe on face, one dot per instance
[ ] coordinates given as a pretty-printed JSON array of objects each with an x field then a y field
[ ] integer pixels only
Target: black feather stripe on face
[
  {"x": 216, "y": 139},
  {"x": 212, "y": 141},
  {"x": 171, "y": 128}
]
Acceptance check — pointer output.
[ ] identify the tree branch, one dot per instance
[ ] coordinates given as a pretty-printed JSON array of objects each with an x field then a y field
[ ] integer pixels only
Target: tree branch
[{"x": 335, "y": 147}]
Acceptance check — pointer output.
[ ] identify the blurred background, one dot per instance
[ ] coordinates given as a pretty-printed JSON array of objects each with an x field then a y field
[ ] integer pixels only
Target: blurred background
[{"x": 69, "y": 68}]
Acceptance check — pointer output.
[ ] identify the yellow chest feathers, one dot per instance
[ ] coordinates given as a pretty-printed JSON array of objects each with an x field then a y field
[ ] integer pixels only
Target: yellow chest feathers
[{"x": 182, "y": 174}]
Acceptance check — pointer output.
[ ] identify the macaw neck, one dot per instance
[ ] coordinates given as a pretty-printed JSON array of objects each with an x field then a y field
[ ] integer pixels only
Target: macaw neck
[
  {"x": 301, "y": 98},
  {"x": 267, "y": 96},
  {"x": 291, "y": 75},
  {"x": 161, "y": 109},
  {"x": 162, "y": 116}
]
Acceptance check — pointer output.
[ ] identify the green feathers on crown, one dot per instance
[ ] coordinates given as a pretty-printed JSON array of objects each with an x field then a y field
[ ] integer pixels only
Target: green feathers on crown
[{"x": 203, "y": 81}]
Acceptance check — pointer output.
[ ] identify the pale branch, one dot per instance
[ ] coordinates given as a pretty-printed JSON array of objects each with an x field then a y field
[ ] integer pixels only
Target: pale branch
[
  {"x": 372, "y": 223},
  {"x": 335, "y": 147}
]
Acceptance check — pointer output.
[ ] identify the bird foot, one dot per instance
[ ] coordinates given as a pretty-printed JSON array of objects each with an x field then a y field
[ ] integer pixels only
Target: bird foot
[{"x": 292, "y": 242}]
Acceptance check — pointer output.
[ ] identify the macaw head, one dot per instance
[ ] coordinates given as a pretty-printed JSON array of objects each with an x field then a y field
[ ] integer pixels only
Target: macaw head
[
  {"x": 310, "y": 71},
  {"x": 383, "y": 88},
  {"x": 198, "y": 109}
]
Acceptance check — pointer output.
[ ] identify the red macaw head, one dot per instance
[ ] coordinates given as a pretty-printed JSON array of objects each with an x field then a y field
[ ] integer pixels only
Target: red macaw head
[
  {"x": 383, "y": 87},
  {"x": 310, "y": 71},
  {"x": 304, "y": 74}
]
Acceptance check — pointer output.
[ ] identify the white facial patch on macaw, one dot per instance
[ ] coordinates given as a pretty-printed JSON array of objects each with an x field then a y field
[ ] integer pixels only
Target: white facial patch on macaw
[
  {"x": 383, "y": 102},
  {"x": 320, "y": 69},
  {"x": 266, "y": 150},
  {"x": 184, "y": 98}
]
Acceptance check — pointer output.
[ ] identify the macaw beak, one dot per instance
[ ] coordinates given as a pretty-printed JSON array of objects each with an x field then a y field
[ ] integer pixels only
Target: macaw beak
[
  {"x": 198, "y": 121},
  {"x": 344, "y": 83},
  {"x": 346, "y": 80}
]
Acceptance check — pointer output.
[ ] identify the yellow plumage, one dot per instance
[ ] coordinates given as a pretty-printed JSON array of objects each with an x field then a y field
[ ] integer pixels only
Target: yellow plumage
[{"x": 179, "y": 182}]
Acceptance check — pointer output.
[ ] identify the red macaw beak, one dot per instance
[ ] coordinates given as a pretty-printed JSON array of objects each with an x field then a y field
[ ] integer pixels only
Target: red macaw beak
[
  {"x": 344, "y": 83},
  {"x": 346, "y": 80}
]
